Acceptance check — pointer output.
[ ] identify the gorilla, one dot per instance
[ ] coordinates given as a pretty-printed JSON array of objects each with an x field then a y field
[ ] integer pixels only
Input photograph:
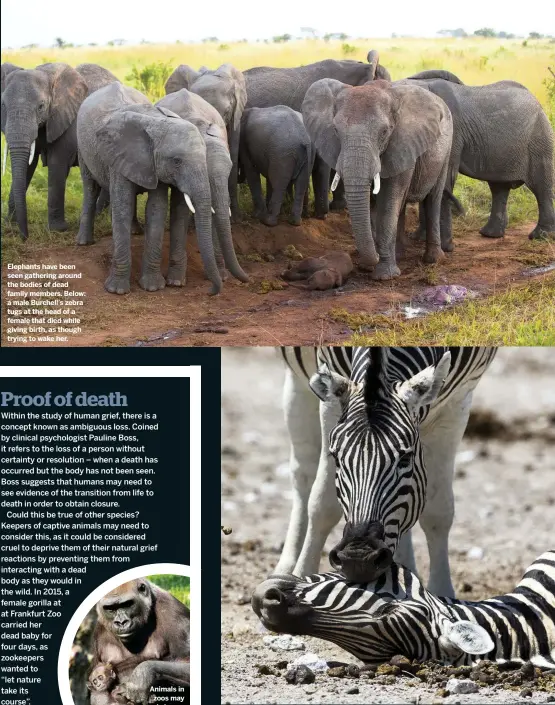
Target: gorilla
[{"x": 139, "y": 623}]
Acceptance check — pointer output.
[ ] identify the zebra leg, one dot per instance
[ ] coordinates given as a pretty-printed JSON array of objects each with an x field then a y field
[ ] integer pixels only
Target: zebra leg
[
  {"x": 440, "y": 445},
  {"x": 324, "y": 510},
  {"x": 405, "y": 552},
  {"x": 301, "y": 417}
]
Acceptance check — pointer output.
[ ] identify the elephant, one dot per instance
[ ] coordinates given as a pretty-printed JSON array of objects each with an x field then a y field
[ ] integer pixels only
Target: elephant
[
  {"x": 6, "y": 69},
  {"x": 500, "y": 135},
  {"x": 211, "y": 125},
  {"x": 267, "y": 86},
  {"x": 398, "y": 136},
  {"x": 39, "y": 109},
  {"x": 225, "y": 89},
  {"x": 275, "y": 143},
  {"x": 129, "y": 146}
]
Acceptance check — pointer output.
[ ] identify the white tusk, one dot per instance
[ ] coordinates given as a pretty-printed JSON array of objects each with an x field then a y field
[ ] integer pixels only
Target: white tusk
[
  {"x": 189, "y": 202},
  {"x": 32, "y": 152},
  {"x": 335, "y": 181},
  {"x": 376, "y": 183},
  {"x": 230, "y": 212},
  {"x": 4, "y": 159},
  {"x": 213, "y": 211}
]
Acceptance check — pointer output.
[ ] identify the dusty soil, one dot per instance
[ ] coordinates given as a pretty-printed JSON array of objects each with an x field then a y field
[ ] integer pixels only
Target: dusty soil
[
  {"x": 505, "y": 506},
  {"x": 256, "y": 313}
]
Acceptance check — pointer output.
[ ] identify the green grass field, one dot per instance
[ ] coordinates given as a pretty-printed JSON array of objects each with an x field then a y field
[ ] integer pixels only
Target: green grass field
[
  {"x": 178, "y": 585},
  {"x": 476, "y": 61}
]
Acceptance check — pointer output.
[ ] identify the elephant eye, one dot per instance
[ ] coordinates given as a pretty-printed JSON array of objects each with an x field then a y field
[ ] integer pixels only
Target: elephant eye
[
  {"x": 41, "y": 105},
  {"x": 177, "y": 161}
]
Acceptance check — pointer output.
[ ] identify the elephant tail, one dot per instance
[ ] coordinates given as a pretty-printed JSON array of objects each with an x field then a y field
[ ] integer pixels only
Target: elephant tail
[
  {"x": 455, "y": 201},
  {"x": 304, "y": 158}
]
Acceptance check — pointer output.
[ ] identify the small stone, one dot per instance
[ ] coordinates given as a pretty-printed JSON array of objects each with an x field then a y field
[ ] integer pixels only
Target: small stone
[
  {"x": 402, "y": 662},
  {"x": 353, "y": 691},
  {"x": 352, "y": 671},
  {"x": 240, "y": 628},
  {"x": 550, "y": 699},
  {"x": 527, "y": 670},
  {"x": 466, "y": 587},
  {"x": 281, "y": 665},
  {"x": 337, "y": 672},
  {"x": 508, "y": 666},
  {"x": 525, "y": 693},
  {"x": 386, "y": 669},
  {"x": 284, "y": 642},
  {"x": 461, "y": 687},
  {"x": 299, "y": 675},
  {"x": 442, "y": 693},
  {"x": 313, "y": 661},
  {"x": 475, "y": 553}
]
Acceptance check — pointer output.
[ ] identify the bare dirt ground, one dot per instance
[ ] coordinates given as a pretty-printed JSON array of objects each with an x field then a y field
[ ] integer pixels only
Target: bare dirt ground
[
  {"x": 505, "y": 506},
  {"x": 267, "y": 311}
]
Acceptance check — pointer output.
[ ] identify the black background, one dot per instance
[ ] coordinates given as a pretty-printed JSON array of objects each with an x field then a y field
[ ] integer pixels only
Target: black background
[{"x": 169, "y": 398}]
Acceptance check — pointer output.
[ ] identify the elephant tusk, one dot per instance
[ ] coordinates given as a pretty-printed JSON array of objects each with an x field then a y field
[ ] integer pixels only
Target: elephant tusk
[
  {"x": 213, "y": 211},
  {"x": 229, "y": 212},
  {"x": 376, "y": 183},
  {"x": 335, "y": 181},
  {"x": 4, "y": 159},
  {"x": 32, "y": 152},
  {"x": 189, "y": 202}
]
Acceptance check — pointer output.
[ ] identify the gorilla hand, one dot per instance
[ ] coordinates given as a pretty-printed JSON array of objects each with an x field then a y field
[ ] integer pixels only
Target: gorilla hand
[{"x": 137, "y": 688}]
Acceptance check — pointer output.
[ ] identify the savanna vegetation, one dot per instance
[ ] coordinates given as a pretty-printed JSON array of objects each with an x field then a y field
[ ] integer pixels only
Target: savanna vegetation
[
  {"x": 178, "y": 585},
  {"x": 476, "y": 60}
]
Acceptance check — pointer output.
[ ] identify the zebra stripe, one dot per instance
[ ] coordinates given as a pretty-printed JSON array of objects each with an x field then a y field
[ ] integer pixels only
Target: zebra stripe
[{"x": 397, "y": 615}]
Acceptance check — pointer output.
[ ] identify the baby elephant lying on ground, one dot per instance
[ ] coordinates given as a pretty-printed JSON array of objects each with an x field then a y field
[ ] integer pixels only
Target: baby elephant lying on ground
[
  {"x": 321, "y": 273},
  {"x": 397, "y": 615}
]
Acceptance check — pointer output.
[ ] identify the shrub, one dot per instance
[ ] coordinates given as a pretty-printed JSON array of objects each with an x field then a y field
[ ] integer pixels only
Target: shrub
[
  {"x": 281, "y": 38},
  {"x": 348, "y": 49},
  {"x": 150, "y": 79}
]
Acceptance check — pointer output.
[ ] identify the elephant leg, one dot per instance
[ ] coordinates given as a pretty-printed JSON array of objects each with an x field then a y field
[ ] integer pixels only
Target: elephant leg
[
  {"x": 391, "y": 201},
  {"x": 122, "y": 197},
  {"x": 30, "y": 171},
  {"x": 155, "y": 221},
  {"x": 179, "y": 223},
  {"x": 60, "y": 158},
  {"x": 542, "y": 188},
  {"x": 253, "y": 180},
  {"x": 338, "y": 201},
  {"x": 301, "y": 190},
  {"x": 498, "y": 219},
  {"x": 233, "y": 137},
  {"x": 103, "y": 201},
  {"x": 89, "y": 206},
  {"x": 321, "y": 185},
  {"x": 420, "y": 232},
  {"x": 401, "y": 244},
  {"x": 305, "y": 202},
  {"x": 279, "y": 186},
  {"x": 268, "y": 193},
  {"x": 432, "y": 208}
]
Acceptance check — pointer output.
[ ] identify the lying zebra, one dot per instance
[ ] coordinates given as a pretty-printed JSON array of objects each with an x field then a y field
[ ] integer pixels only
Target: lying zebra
[{"x": 396, "y": 615}]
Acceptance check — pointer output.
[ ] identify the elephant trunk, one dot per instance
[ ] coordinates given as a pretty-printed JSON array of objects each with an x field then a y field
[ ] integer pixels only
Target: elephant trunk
[
  {"x": 20, "y": 163},
  {"x": 220, "y": 203},
  {"x": 203, "y": 226}
]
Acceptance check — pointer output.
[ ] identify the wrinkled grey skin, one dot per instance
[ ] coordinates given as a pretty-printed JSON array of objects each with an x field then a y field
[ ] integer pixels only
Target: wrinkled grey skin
[
  {"x": 226, "y": 90},
  {"x": 267, "y": 86},
  {"x": 6, "y": 69},
  {"x": 500, "y": 135},
  {"x": 401, "y": 132},
  {"x": 209, "y": 122},
  {"x": 129, "y": 146},
  {"x": 275, "y": 143},
  {"x": 41, "y": 105}
]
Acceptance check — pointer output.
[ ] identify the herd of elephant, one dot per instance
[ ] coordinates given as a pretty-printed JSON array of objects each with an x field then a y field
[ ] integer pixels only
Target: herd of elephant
[{"x": 379, "y": 144}]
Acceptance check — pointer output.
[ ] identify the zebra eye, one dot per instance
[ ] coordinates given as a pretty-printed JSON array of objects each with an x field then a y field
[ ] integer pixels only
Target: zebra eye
[{"x": 404, "y": 460}]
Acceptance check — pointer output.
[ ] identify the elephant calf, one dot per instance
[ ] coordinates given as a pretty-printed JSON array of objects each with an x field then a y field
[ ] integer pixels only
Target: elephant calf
[
  {"x": 129, "y": 146},
  {"x": 275, "y": 143}
]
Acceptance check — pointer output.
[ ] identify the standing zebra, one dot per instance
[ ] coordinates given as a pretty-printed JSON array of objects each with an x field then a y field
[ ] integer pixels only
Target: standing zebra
[
  {"x": 397, "y": 615},
  {"x": 391, "y": 420}
]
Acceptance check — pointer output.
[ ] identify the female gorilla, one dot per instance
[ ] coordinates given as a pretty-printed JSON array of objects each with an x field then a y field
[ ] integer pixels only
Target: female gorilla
[{"x": 139, "y": 619}]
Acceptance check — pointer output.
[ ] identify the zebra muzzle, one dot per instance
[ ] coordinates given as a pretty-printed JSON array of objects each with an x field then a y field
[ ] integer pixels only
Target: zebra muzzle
[
  {"x": 362, "y": 555},
  {"x": 276, "y": 605}
]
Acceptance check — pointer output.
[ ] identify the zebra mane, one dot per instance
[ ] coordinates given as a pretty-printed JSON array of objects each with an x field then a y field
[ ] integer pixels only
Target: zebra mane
[{"x": 373, "y": 382}]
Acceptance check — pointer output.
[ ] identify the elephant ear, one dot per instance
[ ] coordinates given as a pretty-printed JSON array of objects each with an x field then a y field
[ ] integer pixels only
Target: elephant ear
[
  {"x": 183, "y": 77},
  {"x": 239, "y": 89},
  {"x": 127, "y": 146},
  {"x": 6, "y": 70},
  {"x": 417, "y": 126},
  {"x": 215, "y": 130},
  {"x": 318, "y": 109},
  {"x": 167, "y": 112},
  {"x": 67, "y": 91}
]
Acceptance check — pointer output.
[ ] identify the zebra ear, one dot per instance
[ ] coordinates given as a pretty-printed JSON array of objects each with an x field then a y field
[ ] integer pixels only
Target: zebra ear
[
  {"x": 328, "y": 385},
  {"x": 425, "y": 386},
  {"x": 468, "y": 637}
]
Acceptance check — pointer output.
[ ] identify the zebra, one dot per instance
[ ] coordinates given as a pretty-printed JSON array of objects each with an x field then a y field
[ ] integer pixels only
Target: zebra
[
  {"x": 395, "y": 615},
  {"x": 390, "y": 420}
]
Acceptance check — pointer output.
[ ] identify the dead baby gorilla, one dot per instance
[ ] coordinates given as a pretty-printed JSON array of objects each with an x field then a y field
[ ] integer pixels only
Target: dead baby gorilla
[
  {"x": 321, "y": 273},
  {"x": 140, "y": 621}
]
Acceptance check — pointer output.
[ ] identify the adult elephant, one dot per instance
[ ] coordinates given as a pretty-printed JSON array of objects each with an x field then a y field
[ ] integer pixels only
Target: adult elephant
[
  {"x": 39, "y": 109},
  {"x": 400, "y": 134},
  {"x": 500, "y": 135},
  {"x": 129, "y": 146},
  {"x": 211, "y": 125},
  {"x": 267, "y": 87},
  {"x": 6, "y": 69},
  {"x": 225, "y": 89}
]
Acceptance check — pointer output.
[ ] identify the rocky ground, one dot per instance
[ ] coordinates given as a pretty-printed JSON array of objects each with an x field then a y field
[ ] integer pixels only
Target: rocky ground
[{"x": 505, "y": 513}]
